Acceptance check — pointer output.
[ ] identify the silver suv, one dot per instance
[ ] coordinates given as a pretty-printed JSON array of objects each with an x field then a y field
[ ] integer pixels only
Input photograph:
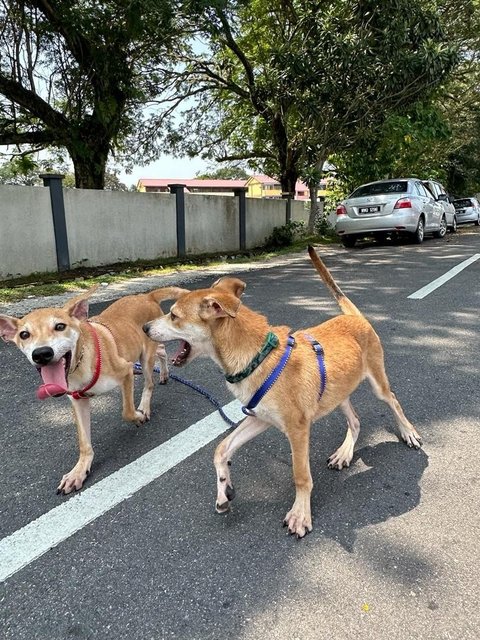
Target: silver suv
[
  {"x": 441, "y": 196},
  {"x": 400, "y": 206}
]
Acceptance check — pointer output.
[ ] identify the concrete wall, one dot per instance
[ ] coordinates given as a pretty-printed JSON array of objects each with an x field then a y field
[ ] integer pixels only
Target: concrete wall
[
  {"x": 211, "y": 223},
  {"x": 105, "y": 227},
  {"x": 262, "y": 216},
  {"x": 27, "y": 243},
  {"x": 299, "y": 212}
]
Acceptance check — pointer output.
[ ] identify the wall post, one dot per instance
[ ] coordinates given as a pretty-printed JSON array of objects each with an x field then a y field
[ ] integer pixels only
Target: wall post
[
  {"x": 240, "y": 192},
  {"x": 178, "y": 190},
  {"x": 54, "y": 182}
]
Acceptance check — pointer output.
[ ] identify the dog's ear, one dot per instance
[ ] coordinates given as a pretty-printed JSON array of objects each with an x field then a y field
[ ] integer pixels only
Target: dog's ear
[
  {"x": 233, "y": 285},
  {"x": 78, "y": 307},
  {"x": 219, "y": 305},
  {"x": 8, "y": 327}
]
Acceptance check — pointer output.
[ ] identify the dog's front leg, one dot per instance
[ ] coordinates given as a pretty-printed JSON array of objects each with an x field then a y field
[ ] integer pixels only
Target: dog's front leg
[
  {"x": 246, "y": 430},
  {"x": 74, "y": 480},
  {"x": 299, "y": 518},
  {"x": 129, "y": 412}
]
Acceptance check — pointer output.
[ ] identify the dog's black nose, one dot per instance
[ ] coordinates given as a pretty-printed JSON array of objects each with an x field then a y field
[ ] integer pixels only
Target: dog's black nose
[
  {"x": 42, "y": 355},
  {"x": 146, "y": 328}
]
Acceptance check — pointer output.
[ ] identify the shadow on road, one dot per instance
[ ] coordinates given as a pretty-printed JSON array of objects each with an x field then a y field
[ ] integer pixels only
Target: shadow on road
[{"x": 389, "y": 486}]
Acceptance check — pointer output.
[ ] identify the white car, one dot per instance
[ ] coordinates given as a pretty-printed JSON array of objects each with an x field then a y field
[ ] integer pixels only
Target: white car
[
  {"x": 400, "y": 206},
  {"x": 468, "y": 210},
  {"x": 441, "y": 196}
]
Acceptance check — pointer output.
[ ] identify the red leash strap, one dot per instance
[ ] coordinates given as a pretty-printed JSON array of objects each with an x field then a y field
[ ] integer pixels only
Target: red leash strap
[{"x": 77, "y": 395}]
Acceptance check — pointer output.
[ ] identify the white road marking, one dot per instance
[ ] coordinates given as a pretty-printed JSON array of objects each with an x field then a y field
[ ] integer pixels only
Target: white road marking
[
  {"x": 428, "y": 288},
  {"x": 36, "y": 538}
]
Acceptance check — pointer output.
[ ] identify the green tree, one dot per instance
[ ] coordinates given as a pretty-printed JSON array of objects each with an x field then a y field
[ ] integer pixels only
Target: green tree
[
  {"x": 436, "y": 137},
  {"x": 75, "y": 74},
  {"x": 284, "y": 84},
  {"x": 23, "y": 170},
  {"x": 20, "y": 171},
  {"x": 407, "y": 144},
  {"x": 232, "y": 172}
]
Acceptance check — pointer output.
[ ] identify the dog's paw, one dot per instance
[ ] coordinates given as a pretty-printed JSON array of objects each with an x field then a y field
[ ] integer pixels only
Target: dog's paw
[
  {"x": 163, "y": 377},
  {"x": 141, "y": 417},
  {"x": 413, "y": 440},
  {"x": 298, "y": 523},
  {"x": 144, "y": 412},
  {"x": 222, "y": 505},
  {"x": 339, "y": 460},
  {"x": 72, "y": 481}
]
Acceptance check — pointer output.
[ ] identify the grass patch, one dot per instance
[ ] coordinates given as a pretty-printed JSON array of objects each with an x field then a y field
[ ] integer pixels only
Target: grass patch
[{"x": 50, "y": 284}]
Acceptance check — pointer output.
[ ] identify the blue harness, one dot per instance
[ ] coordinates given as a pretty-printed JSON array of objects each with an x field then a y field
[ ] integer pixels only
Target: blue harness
[{"x": 275, "y": 373}]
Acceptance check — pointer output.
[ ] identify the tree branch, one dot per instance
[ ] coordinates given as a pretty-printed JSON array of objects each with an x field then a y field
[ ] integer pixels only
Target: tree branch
[
  {"x": 44, "y": 138},
  {"x": 77, "y": 44},
  {"x": 33, "y": 103}
]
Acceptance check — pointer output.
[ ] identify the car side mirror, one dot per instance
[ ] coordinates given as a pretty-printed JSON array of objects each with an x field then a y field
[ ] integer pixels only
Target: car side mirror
[{"x": 443, "y": 198}]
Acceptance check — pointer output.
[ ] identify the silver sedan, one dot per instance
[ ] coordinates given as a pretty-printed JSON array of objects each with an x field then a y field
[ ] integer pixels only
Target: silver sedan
[
  {"x": 400, "y": 206},
  {"x": 468, "y": 210}
]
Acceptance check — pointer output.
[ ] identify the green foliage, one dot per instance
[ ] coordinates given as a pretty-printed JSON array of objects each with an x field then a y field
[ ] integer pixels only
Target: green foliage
[
  {"x": 288, "y": 84},
  {"x": 232, "y": 172},
  {"x": 285, "y": 235},
  {"x": 407, "y": 144},
  {"x": 23, "y": 170},
  {"x": 75, "y": 74}
]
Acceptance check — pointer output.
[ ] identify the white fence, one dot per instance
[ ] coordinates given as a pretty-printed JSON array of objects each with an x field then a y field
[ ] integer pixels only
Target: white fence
[{"x": 104, "y": 227}]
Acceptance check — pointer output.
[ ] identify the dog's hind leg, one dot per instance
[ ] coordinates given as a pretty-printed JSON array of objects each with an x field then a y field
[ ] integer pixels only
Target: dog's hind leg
[
  {"x": 74, "y": 479},
  {"x": 344, "y": 454},
  {"x": 381, "y": 387},
  {"x": 246, "y": 430},
  {"x": 299, "y": 518},
  {"x": 147, "y": 360}
]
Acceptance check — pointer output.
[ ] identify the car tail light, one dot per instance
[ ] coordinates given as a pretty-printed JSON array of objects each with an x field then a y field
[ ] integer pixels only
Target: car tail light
[
  {"x": 341, "y": 210},
  {"x": 403, "y": 203}
]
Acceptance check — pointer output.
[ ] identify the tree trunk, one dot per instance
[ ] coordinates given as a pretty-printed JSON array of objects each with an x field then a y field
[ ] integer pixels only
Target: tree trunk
[
  {"x": 89, "y": 165},
  {"x": 313, "y": 188},
  {"x": 288, "y": 180}
]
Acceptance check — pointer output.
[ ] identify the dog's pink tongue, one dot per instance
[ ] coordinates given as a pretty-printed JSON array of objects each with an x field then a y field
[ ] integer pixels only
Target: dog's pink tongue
[{"x": 55, "y": 383}]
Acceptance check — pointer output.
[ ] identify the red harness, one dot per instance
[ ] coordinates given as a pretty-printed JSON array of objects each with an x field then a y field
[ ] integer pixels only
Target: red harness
[{"x": 77, "y": 395}]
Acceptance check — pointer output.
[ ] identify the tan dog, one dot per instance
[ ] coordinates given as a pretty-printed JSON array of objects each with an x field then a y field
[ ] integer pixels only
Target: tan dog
[
  {"x": 85, "y": 358},
  {"x": 213, "y": 322}
]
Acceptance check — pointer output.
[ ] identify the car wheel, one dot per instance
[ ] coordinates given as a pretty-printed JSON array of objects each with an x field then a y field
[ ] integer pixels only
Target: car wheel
[
  {"x": 453, "y": 228},
  {"x": 420, "y": 232},
  {"x": 477, "y": 223},
  {"x": 443, "y": 228},
  {"x": 349, "y": 241}
]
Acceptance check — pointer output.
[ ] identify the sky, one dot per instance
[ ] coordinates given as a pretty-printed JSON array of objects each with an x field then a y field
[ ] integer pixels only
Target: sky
[{"x": 165, "y": 167}]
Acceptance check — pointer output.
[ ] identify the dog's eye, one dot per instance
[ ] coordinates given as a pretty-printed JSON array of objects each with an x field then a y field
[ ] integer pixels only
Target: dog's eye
[
  {"x": 60, "y": 326},
  {"x": 24, "y": 335},
  {"x": 173, "y": 316}
]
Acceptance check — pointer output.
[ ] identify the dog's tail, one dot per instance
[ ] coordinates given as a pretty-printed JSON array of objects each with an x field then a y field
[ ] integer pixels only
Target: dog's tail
[
  {"x": 167, "y": 293},
  {"x": 344, "y": 303}
]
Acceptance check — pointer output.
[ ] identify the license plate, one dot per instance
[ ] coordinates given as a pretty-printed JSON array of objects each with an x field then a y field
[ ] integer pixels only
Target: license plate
[{"x": 369, "y": 209}]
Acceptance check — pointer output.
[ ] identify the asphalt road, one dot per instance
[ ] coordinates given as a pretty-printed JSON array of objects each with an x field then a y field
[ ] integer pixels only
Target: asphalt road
[{"x": 394, "y": 550}]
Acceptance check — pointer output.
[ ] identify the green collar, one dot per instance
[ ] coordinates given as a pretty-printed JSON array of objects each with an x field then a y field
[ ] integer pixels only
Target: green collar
[{"x": 271, "y": 342}]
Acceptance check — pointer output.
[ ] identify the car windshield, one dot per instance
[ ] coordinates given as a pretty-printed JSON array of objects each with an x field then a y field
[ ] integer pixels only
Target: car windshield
[
  {"x": 397, "y": 186},
  {"x": 463, "y": 202}
]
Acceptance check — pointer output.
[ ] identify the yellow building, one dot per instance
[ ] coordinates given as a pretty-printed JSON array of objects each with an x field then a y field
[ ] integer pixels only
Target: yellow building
[{"x": 262, "y": 186}]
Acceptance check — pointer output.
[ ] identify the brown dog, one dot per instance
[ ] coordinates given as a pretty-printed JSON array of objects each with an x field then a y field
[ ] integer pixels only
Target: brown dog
[
  {"x": 85, "y": 358},
  {"x": 213, "y": 322}
]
